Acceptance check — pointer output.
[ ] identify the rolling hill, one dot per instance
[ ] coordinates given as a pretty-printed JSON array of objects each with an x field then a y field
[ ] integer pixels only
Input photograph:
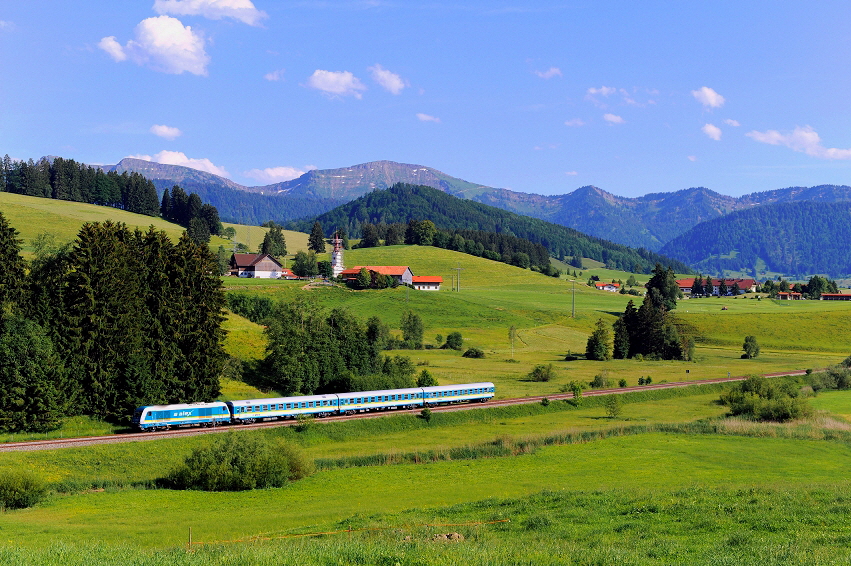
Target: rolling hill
[
  {"x": 402, "y": 202},
  {"x": 648, "y": 221},
  {"x": 797, "y": 239}
]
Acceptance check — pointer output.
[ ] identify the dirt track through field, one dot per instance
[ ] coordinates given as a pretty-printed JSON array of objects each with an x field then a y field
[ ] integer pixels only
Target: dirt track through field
[{"x": 56, "y": 443}]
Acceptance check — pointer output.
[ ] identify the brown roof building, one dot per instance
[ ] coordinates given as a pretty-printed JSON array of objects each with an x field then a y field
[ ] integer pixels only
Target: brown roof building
[{"x": 255, "y": 265}]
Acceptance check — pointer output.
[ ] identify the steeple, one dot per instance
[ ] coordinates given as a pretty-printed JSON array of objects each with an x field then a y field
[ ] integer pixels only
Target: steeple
[{"x": 337, "y": 266}]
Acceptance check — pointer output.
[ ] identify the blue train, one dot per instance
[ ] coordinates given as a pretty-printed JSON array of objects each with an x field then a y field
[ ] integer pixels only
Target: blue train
[{"x": 163, "y": 417}]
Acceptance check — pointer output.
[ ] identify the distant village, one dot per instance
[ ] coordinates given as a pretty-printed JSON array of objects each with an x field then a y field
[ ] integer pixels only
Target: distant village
[{"x": 264, "y": 266}]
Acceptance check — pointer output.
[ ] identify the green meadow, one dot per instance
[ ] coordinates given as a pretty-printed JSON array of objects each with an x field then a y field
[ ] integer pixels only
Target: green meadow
[
  {"x": 670, "y": 480},
  {"x": 494, "y": 296},
  {"x": 32, "y": 216}
]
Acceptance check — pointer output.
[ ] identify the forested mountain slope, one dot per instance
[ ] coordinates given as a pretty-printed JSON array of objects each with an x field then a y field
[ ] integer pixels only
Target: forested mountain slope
[
  {"x": 402, "y": 203},
  {"x": 793, "y": 238}
]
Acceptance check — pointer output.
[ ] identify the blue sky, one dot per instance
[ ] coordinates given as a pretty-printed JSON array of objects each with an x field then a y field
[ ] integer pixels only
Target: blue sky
[{"x": 540, "y": 97}]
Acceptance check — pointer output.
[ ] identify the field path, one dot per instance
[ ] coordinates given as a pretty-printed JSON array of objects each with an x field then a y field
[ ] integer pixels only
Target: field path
[{"x": 56, "y": 443}]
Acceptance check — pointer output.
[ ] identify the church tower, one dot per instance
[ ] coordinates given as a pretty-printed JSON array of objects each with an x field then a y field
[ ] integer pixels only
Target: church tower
[{"x": 337, "y": 266}]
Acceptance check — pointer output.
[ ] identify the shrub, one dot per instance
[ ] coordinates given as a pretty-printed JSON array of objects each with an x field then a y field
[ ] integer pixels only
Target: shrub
[
  {"x": 764, "y": 400},
  {"x": 425, "y": 415},
  {"x": 473, "y": 353},
  {"x": 426, "y": 379},
  {"x": 750, "y": 347},
  {"x": 237, "y": 461},
  {"x": 542, "y": 373},
  {"x": 613, "y": 406},
  {"x": 20, "y": 489},
  {"x": 648, "y": 380},
  {"x": 622, "y": 383},
  {"x": 545, "y": 402},
  {"x": 454, "y": 341},
  {"x": 599, "y": 381}
]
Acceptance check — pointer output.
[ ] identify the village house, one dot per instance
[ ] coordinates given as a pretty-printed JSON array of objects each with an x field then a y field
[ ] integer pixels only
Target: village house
[
  {"x": 611, "y": 287},
  {"x": 427, "y": 282},
  {"x": 401, "y": 273},
  {"x": 261, "y": 266},
  {"x": 790, "y": 296},
  {"x": 835, "y": 297},
  {"x": 745, "y": 285}
]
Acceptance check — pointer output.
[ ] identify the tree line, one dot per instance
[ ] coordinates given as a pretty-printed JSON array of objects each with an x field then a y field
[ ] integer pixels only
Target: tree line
[
  {"x": 404, "y": 202},
  {"x": 115, "y": 320},
  {"x": 200, "y": 219},
  {"x": 502, "y": 247},
  {"x": 66, "y": 179},
  {"x": 649, "y": 331}
]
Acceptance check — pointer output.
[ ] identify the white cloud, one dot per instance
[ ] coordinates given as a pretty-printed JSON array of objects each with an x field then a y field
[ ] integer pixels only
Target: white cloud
[
  {"x": 113, "y": 48},
  {"x": 708, "y": 97},
  {"x": 241, "y": 10},
  {"x": 390, "y": 81},
  {"x": 277, "y": 75},
  {"x": 692, "y": 158},
  {"x": 804, "y": 140},
  {"x": 166, "y": 132},
  {"x": 734, "y": 123},
  {"x": 714, "y": 132},
  {"x": 336, "y": 83},
  {"x": 613, "y": 119},
  {"x": 549, "y": 73},
  {"x": 163, "y": 44},
  {"x": 179, "y": 158},
  {"x": 603, "y": 91},
  {"x": 277, "y": 174},
  {"x": 571, "y": 173},
  {"x": 427, "y": 118},
  {"x": 4, "y": 24},
  {"x": 574, "y": 123}
]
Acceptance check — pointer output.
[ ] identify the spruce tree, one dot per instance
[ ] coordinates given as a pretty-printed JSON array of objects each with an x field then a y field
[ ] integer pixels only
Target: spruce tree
[
  {"x": 12, "y": 272},
  {"x": 316, "y": 241},
  {"x": 599, "y": 345},
  {"x": 31, "y": 377}
]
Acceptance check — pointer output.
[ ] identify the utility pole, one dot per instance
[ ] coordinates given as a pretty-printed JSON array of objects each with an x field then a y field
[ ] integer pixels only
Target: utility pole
[
  {"x": 573, "y": 312},
  {"x": 458, "y": 269}
]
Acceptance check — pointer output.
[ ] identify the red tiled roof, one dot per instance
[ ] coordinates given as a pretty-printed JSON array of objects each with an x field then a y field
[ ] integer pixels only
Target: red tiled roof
[
  {"x": 602, "y": 284},
  {"x": 396, "y": 270},
  {"x": 427, "y": 279}
]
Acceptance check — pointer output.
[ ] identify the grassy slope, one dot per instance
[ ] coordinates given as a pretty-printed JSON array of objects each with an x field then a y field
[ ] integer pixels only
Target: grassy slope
[
  {"x": 32, "y": 216},
  {"x": 495, "y": 296}
]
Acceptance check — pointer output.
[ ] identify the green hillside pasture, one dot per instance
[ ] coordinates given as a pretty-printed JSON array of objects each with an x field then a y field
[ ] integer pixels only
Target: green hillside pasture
[
  {"x": 318, "y": 502},
  {"x": 837, "y": 402},
  {"x": 32, "y": 216},
  {"x": 252, "y": 236},
  {"x": 784, "y": 325},
  {"x": 244, "y": 339},
  {"x": 719, "y": 525},
  {"x": 128, "y": 463},
  {"x": 793, "y": 335}
]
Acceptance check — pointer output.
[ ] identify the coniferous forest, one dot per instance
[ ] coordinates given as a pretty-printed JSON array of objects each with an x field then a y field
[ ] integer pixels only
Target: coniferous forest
[
  {"x": 66, "y": 179},
  {"x": 402, "y": 203},
  {"x": 119, "y": 319},
  {"x": 795, "y": 238}
]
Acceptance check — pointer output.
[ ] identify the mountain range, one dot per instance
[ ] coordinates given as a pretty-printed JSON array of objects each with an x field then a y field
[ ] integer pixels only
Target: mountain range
[{"x": 650, "y": 221}]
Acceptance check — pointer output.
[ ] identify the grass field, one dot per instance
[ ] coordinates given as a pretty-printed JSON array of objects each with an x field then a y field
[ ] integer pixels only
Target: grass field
[
  {"x": 495, "y": 296},
  {"x": 32, "y": 216},
  {"x": 669, "y": 481}
]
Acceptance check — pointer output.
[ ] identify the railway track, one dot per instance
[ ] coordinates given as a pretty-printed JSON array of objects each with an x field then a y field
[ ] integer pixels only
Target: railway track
[{"x": 56, "y": 443}]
